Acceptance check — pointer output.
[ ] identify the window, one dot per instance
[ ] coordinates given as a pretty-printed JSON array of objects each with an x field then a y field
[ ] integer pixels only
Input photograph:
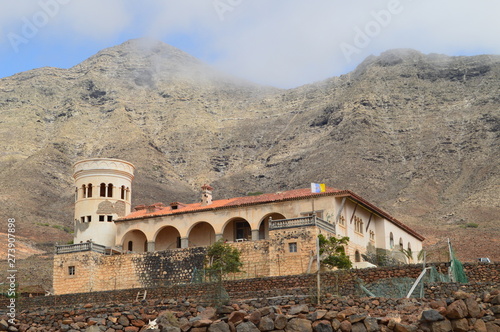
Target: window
[
  {"x": 342, "y": 220},
  {"x": 130, "y": 245},
  {"x": 101, "y": 218},
  {"x": 127, "y": 194},
  {"x": 89, "y": 218},
  {"x": 76, "y": 194},
  {"x": 358, "y": 225},
  {"x": 372, "y": 236},
  {"x": 84, "y": 191},
  {"x": 110, "y": 190},
  {"x": 391, "y": 240},
  {"x": 110, "y": 218},
  {"x": 71, "y": 270},
  {"x": 89, "y": 190},
  {"x": 292, "y": 247},
  {"x": 103, "y": 190},
  {"x": 82, "y": 219},
  {"x": 122, "y": 192},
  {"x": 401, "y": 243}
]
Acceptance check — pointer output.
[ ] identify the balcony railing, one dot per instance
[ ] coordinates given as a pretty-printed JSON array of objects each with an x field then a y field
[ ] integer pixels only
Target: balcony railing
[
  {"x": 79, "y": 247},
  {"x": 302, "y": 222}
]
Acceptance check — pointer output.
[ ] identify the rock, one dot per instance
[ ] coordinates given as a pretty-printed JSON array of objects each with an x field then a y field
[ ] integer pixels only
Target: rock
[
  {"x": 296, "y": 309},
  {"x": 480, "y": 326},
  {"x": 93, "y": 328},
  {"x": 198, "y": 329},
  {"x": 322, "y": 326},
  {"x": 492, "y": 327},
  {"x": 441, "y": 326},
  {"x": 461, "y": 295},
  {"x": 202, "y": 323},
  {"x": 266, "y": 311},
  {"x": 131, "y": 329},
  {"x": 331, "y": 315},
  {"x": 495, "y": 299},
  {"x": 371, "y": 324},
  {"x": 345, "y": 326},
  {"x": 266, "y": 324},
  {"x": 219, "y": 327},
  {"x": 356, "y": 318},
  {"x": 225, "y": 310},
  {"x": 495, "y": 309},
  {"x": 460, "y": 325},
  {"x": 358, "y": 327},
  {"x": 473, "y": 307},
  {"x": 209, "y": 313},
  {"x": 255, "y": 317},
  {"x": 335, "y": 324},
  {"x": 431, "y": 316},
  {"x": 247, "y": 327},
  {"x": 404, "y": 328},
  {"x": 236, "y": 316},
  {"x": 280, "y": 322},
  {"x": 123, "y": 320},
  {"x": 298, "y": 325},
  {"x": 457, "y": 310}
]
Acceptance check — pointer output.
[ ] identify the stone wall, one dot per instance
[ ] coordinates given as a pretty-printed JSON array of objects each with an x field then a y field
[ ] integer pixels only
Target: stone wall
[
  {"x": 341, "y": 283},
  {"x": 95, "y": 272},
  {"x": 462, "y": 312}
]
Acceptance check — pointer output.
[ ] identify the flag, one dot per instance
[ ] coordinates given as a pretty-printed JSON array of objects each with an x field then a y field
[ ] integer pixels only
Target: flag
[{"x": 318, "y": 187}]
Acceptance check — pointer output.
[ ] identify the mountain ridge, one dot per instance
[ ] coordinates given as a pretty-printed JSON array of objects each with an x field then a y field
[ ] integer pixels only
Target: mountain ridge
[{"x": 415, "y": 134}]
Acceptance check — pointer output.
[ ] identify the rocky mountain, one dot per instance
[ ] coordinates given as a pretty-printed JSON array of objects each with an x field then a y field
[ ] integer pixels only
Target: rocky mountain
[{"x": 416, "y": 134}]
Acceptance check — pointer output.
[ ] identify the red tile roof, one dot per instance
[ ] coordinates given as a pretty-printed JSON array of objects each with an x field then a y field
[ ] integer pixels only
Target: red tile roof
[{"x": 288, "y": 195}]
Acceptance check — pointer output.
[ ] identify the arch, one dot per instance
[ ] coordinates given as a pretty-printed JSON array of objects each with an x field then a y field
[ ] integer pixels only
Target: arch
[
  {"x": 89, "y": 190},
  {"x": 201, "y": 234},
  {"x": 137, "y": 238},
  {"x": 84, "y": 191},
  {"x": 167, "y": 238},
  {"x": 357, "y": 256},
  {"x": 264, "y": 224},
  {"x": 110, "y": 190},
  {"x": 102, "y": 191},
  {"x": 391, "y": 241},
  {"x": 237, "y": 229}
]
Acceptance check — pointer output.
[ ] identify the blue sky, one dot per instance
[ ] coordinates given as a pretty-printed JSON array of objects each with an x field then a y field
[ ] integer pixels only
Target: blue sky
[{"x": 284, "y": 43}]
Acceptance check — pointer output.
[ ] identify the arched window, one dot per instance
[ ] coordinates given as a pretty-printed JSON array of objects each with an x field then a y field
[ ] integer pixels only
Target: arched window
[
  {"x": 127, "y": 194},
  {"x": 76, "y": 194},
  {"x": 110, "y": 190},
  {"x": 103, "y": 190},
  {"x": 84, "y": 191},
  {"x": 391, "y": 240},
  {"x": 401, "y": 243},
  {"x": 130, "y": 245},
  {"x": 357, "y": 256},
  {"x": 122, "y": 192},
  {"x": 89, "y": 190}
]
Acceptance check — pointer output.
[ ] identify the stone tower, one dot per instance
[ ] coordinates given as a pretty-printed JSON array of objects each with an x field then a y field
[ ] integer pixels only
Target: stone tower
[{"x": 103, "y": 188}]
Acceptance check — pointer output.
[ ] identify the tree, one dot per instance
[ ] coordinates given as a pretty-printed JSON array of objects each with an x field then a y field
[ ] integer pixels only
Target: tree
[
  {"x": 332, "y": 252},
  {"x": 222, "y": 258}
]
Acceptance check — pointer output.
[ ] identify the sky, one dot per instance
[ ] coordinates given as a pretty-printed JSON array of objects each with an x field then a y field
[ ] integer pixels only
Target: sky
[{"x": 282, "y": 43}]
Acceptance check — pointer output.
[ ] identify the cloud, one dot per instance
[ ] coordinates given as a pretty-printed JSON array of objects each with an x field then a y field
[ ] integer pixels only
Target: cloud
[{"x": 281, "y": 42}]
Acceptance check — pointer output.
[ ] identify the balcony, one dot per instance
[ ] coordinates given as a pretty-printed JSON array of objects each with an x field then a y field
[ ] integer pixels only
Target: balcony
[
  {"x": 79, "y": 247},
  {"x": 302, "y": 222}
]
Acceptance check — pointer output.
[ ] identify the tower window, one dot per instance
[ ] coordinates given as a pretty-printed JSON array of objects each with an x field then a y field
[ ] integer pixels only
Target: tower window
[
  {"x": 110, "y": 218},
  {"x": 82, "y": 219},
  {"x": 391, "y": 240},
  {"x": 89, "y": 218},
  {"x": 71, "y": 270},
  {"x": 101, "y": 218},
  {"x": 84, "y": 191},
  {"x": 127, "y": 194},
  {"x": 103, "y": 190},
  {"x": 89, "y": 190},
  {"x": 76, "y": 194},
  {"x": 110, "y": 190},
  {"x": 122, "y": 193}
]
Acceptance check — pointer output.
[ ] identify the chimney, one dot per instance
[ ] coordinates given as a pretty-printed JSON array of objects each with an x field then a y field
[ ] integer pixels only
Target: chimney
[{"x": 206, "y": 195}]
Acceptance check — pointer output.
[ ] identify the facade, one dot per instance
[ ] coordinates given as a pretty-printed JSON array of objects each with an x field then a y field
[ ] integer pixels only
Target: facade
[{"x": 276, "y": 232}]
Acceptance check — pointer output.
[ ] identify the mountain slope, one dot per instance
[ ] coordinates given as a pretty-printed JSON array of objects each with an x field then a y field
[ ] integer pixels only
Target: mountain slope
[{"x": 416, "y": 134}]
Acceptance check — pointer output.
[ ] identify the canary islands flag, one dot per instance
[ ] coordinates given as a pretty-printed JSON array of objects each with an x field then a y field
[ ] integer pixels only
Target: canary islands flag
[{"x": 318, "y": 187}]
